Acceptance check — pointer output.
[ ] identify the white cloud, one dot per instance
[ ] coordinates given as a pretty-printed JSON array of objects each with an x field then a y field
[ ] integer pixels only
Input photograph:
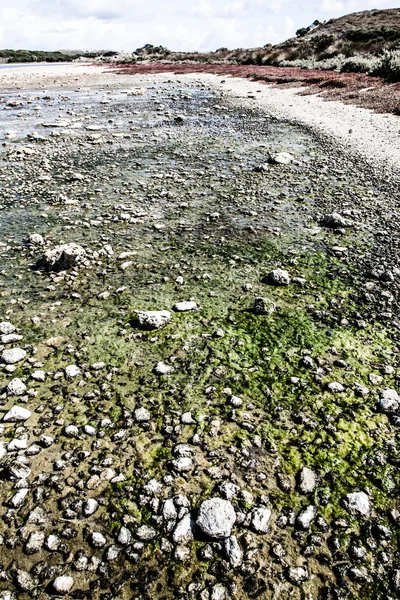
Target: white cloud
[{"x": 177, "y": 24}]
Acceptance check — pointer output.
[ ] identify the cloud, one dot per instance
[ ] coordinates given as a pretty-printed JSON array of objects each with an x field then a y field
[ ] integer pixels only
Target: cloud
[{"x": 177, "y": 24}]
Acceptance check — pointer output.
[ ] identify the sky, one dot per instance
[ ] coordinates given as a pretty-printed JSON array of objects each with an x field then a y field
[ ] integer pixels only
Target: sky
[{"x": 188, "y": 25}]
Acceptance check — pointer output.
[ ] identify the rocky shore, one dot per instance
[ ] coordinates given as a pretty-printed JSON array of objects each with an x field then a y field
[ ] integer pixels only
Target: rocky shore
[{"x": 199, "y": 342}]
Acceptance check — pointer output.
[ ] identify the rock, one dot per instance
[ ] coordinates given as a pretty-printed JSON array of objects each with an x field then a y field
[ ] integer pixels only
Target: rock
[
  {"x": 141, "y": 415},
  {"x": 182, "y": 464},
  {"x": 38, "y": 375},
  {"x": 307, "y": 481},
  {"x": 146, "y": 533},
  {"x": 19, "y": 498},
  {"x": 124, "y": 536},
  {"x": 12, "y": 356},
  {"x": 334, "y": 387},
  {"x": 35, "y": 542},
  {"x": 219, "y": 592},
  {"x": 280, "y": 158},
  {"x": 233, "y": 551},
  {"x": 183, "y": 531},
  {"x": 24, "y": 581},
  {"x": 153, "y": 319},
  {"x": 90, "y": 507},
  {"x": 163, "y": 369},
  {"x": 16, "y": 387},
  {"x": 389, "y": 401},
  {"x": 72, "y": 371},
  {"x": 277, "y": 277},
  {"x": 263, "y": 306},
  {"x": 35, "y": 239},
  {"x": 334, "y": 221},
  {"x": 297, "y": 575},
  {"x": 260, "y": 517},
  {"x": 357, "y": 503},
  {"x": 17, "y": 413},
  {"x": 216, "y": 517},
  {"x": 63, "y": 257},
  {"x": 184, "y": 306},
  {"x": 6, "y": 328},
  {"x": 306, "y": 517},
  {"x": 97, "y": 540},
  {"x": 63, "y": 584}
]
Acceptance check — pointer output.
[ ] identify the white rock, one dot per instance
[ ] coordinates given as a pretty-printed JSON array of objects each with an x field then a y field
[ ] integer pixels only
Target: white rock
[
  {"x": 183, "y": 532},
  {"x": 216, "y": 517},
  {"x": 19, "y": 498},
  {"x": 233, "y": 551},
  {"x": 163, "y": 369},
  {"x": 63, "y": 257},
  {"x": 38, "y": 375},
  {"x": 90, "y": 507},
  {"x": 97, "y": 539},
  {"x": 35, "y": 239},
  {"x": 6, "y": 328},
  {"x": 306, "y": 517},
  {"x": 146, "y": 533},
  {"x": 63, "y": 584},
  {"x": 153, "y": 319},
  {"x": 260, "y": 517},
  {"x": 141, "y": 414},
  {"x": 357, "y": 503},
  {"x": 278, "y": 277},
  {"x": 184, "y": 306},
  {"x": 182, "y": 464},
  {"x": 17, "y": 413},
  {"x": 307, "y": 481},
  {"x": 72, "y": 371},
  {"x": 124, "y": 536},
  {"x": 280, "y": 158},
  {"x": 389, "y": 401},
  {"x": 16, "y": 387},
  {"x": 13, "y": 355}
]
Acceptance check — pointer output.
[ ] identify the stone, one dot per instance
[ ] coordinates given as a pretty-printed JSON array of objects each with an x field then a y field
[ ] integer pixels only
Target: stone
[
  {"x": 260, "y": 517},
  {"x": 334, "y": 221},
  {"x": 35, "y": 542},
  {"x": 335, "y": 387},
  {"x": 307, "y": 481},
  {"x": 184, "y": 306},
  {"x": 16, "y": 387},
  {"x": 6, "y": 328},
  {"x": 63, "y": 257},
  {"x": 35, "y": 239},
  {"x": 389, "y": 401},
  {"x": 297, "y": 575},
  {"x": 219, "y": 592},
  {"x": 277, "y": 277},
  {"x": 12, "y": 356},
  {"x": 19, "y": 498},
  {"x": 280, "y": 158},
  {"x": 146, "y": 533},
  {"x": 63, "y": 584},
  {"x": 357, "y": 503},
  {"x": 38, "y": 375},
  {"x": 24, "y": 581},
  {"x": 124, "y": 536},
  {"x": 17, "y": 413},
  {"x": 305, "y": 517},
  {"x": 154, "y": 319},
  {"x": 90, "y": 507},
  {"x": 162, "y": 368},
  {"x": 182, "y": 464},
  {"x": 263, "y": 306},
  {"x": 97, "y": 539},
  {"x": 72, "y": 371},
  {"x": 233, "y": 552},
  {"x": 183, "y": 531},
  {"x": 141, "y": 415},
  {"x": 216, "y": 517}
]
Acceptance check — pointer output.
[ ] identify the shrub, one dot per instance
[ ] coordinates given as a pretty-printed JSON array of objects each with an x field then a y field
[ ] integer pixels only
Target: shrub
[
  {"x": 388, "y": 66},
  {"x": 357, "y": 64}
]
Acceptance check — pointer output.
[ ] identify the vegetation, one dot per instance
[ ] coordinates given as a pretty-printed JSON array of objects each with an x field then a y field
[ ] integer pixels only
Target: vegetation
[{"x": 29, "y": 56}]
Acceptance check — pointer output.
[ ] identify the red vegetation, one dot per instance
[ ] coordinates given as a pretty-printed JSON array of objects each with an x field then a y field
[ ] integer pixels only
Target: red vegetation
[{"x": 350, "y": 88}]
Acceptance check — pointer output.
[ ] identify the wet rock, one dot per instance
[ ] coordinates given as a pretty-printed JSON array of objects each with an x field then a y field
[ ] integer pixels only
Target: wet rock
[
  {"x": 63, "y": 584},
  {"x": 17, "y": 413},
  {"x": 307, "y": 481},
  {"x": 12, "y": 356},
  {"x": 357, "y": 503},
  {"x": 153, "y": 319},
  {"x": 63, "y": 257},
  {"x": 277, "y": 277},
  {"x": 216, "y": 518},
  {"x": 263, "y": 306}
]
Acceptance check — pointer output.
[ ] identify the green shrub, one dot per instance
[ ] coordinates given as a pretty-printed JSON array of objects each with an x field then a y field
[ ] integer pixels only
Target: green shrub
[
  {"x": 357, "y": 64},
  {"x": 388, "y": 66}
]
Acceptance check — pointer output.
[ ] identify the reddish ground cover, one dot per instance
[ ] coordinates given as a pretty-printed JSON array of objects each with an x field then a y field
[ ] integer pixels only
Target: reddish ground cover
[{"x": 350, "y": 88}]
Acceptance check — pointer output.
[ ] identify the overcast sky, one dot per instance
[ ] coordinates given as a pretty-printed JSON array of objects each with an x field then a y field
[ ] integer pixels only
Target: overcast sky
[{"x": 176, "y": 24}]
